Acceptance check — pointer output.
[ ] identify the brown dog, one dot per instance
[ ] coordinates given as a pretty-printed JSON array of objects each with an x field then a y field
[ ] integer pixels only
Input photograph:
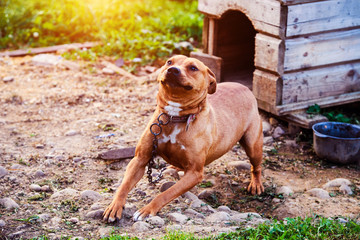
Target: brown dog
[{"x": 214, "y": 124}]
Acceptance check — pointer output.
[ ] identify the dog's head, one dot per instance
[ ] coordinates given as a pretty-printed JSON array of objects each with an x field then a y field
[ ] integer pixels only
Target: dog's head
[{"x": 182, "y": 75}]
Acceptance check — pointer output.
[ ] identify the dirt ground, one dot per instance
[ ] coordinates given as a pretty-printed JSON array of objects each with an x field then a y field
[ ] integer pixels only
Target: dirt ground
[{"x": 56, "y": 119}]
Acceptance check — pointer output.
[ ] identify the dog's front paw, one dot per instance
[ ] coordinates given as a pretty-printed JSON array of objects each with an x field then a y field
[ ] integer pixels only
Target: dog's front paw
[
  {"x": 255, "y": 187},
  {"x": 113, "y": 212},
  {"x": 143, "y": 213}
]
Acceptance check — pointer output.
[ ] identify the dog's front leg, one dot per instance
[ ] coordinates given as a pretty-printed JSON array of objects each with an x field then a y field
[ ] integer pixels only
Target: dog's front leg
[
  {"x": 134, "y": 172},
  {"x": 187, "y": 182}
]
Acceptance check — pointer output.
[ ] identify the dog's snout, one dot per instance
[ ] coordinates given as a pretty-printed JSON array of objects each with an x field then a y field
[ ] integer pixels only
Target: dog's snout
[{"x": 174, "y": 70}]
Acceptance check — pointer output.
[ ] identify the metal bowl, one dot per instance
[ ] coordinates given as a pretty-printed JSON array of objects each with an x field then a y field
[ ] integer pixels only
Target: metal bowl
[{"x": 337, "y": 142}]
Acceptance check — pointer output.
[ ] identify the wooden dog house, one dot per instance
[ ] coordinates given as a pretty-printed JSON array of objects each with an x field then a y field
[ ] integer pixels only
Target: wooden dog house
[{"x": 291, "y": 53}]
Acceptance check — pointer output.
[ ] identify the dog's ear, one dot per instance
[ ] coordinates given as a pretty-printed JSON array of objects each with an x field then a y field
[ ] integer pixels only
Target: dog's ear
[{"x": 212, "y": 82}]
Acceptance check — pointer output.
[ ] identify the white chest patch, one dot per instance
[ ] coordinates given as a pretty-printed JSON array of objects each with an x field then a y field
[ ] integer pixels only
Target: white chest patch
[
  {"x": 171, "y": 137},
  {"x": 173, "y": 108}
]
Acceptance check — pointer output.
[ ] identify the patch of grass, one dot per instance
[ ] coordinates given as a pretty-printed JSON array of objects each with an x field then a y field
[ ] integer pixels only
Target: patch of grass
[
  {"x": 335, "y": 114},
  {"x": 205, "y": 184},
  {"x": 38, "y": 197},
  {"x": 70, "y": 204}
]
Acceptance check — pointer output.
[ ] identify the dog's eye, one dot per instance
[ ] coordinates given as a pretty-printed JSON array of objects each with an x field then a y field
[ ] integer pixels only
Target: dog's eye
[
  {"x": 169, "y": 62},
  {"x": 193, "y": 68}
]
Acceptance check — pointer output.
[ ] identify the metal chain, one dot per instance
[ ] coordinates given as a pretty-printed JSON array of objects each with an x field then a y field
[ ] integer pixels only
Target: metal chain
[{"x": 153, "y": 131}]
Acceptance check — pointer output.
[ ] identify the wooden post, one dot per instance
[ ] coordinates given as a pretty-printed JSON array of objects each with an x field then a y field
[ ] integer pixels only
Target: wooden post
[{"x": 211, "y": 36}]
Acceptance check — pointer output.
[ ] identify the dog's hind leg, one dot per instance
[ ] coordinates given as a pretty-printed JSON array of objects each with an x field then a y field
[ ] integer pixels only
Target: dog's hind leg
[{"x": 252, "y": 142}]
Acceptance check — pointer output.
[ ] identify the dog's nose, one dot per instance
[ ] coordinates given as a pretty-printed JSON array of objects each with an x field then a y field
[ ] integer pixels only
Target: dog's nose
[{"x": 174, "y": 71}]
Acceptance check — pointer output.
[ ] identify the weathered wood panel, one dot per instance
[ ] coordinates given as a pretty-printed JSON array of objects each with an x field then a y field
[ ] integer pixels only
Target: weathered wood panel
[
  {"x": 269, "y": 53},
  {"x": 322, "y": 16},
  {"x": 293, "y": 2},
  {"x": 320, "y": 83},
  {"x": 322, "y": 102},
  {"x": 267, "y": 87},
  {"x": 322, "y": 49},
  {"x": 264, "y": 14},
  {"x": 213, "y": 62}
]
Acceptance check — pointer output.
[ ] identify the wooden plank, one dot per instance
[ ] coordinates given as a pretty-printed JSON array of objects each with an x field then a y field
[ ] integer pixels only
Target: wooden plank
[
  {"x": 267, "y": 87},
  {"x": 264, "y": 14},
  {"x": 322, "y": 102},
  {"x": 322, "y": 49},
  {"x": 322, "y": 16},
  {"x": 303, "y": 119},
  {"x": 293, "y": 2},
  {"x": 211, "y": 40},
  {"x": 120, "y": 154},
  {"x": 319, "y": 83},
  {"x": 33, "y": 51},
  {"x": 205, "y": 35},
  {"x": 269, "y": 52},
  {"x": 212, "y": 62}
]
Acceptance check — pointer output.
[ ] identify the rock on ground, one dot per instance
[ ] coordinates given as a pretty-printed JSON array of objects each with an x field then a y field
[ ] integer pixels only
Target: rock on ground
[
  {"x": 319, "y": 193},
  {"x": 140, "y": 226},
  {"x": 65, "y": 194},
  {"x": 218, "y": 217},
  {"x": 90, "y": 195},
  {"x": 285, "y": 191},
  {"x": 3, "y": 172},
  {"x": 338, "y": 182},
  {"x": 156, "y": 221},
  {"x": 177, "y": 218},
  {"x": 9, "y": 204}
]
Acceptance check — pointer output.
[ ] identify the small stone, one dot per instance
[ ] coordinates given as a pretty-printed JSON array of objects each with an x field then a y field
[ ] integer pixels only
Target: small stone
[
  {"x": 177, "y": 218},
  {"x": 319, "y": 193},
  {"x": 206, "y": 193},
  {"x": 291, "y": 143},
  {"x": 338, "y": 182},
  {"x": 105, "y": 232},
  {"x": 16, "y": 167},
  {"x": 90, "y": 195},
  {"x": 268, "y": 140},
  {"x": 242, "y": 217},
  {"x": 171, "y": 172},
  {"x": 108, "y": 71},
  {"x": 77, "y": 159},
  {"x": 165, "y": 186},
  {"x": 8, "y": 79},
  {"x": 39, "y": 174},
  {"x": 240, "y": 165},
  {"x": 224, "y": 209},
  {"x": 35, "y": 187},
  {"x": 48, "y": 162},
  {"x": 276, "y": 200},
  {"x": 3, "y": 172},
  {"x": 40, "y": 146},
  {"x": 71, "y": 133},
  {"x": 55, "y": 221},
  {"x": 9, "y": 204},
  {"x": 140, "y": 226},
  {"x": 285, "y": 191},
  {"x": 345, "y": 189},
  {"x": 46, "y": 188},
  {"x": 193, "y": 214},
  {"x": 129, "y": 210},
  {"x": 59, "y": 158},
  {"x": 266, "y": 127},
  {"x": 156, "y": 221},
  {"x": 74, "y": 220},
  {"x": 95, "y": 206},
  {"x": 2, "y": 223},
  {"x": 96, "y": 214},
  {"x": 218, "y": 217},
  {"x": 190, "y": 196},
  {"x": 174, "y": 227},
  {"x": 278, "y": 132},
  {"x": 45, "y": 217},
  {"x": 64, "y": 194}
]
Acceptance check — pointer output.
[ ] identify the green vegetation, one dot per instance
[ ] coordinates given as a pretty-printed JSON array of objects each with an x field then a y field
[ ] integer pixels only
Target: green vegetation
[
  {"x": 147, "y": 30},
  {"x": 335, "y": 114},
  {"x": 315, "y": 228}
]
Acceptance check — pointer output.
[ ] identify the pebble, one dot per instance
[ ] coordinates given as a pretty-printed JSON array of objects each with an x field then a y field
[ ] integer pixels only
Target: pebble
[
  {"x": 105, "y": 231},
  {"x": 74, "y": 220},
  {"x": 278, "y": 132},
  {"x": 77, "y": 159},
  {"x": 9, "y": 204},
  {"x": 266, "y": 127},
  {"x": 338, "y": 182},
  {"x": 193, "y": 214},
  {"x": 96, "y": 214},
  {"x": 59, "y": 158},
  {"x": 190, "y": 196},
  {"x": 90, "y": 195},
  {"x": 291, "y": 143},
  {"x": 2, "y": 223},
  {"x": 71, "y": 133},
  {"x": 95, "y": 206},
  {"x": 156, "y": 221},
  {"x": 206, "y": 193},
  {"x": 108, "y": 71},
  {"x": 177, "y": 218},
  {"x": 16, "y": 167},
  {"x": 64, "y": 194},
  {"x": 44, "y": 217},
  {"x": 140, "y": 226},
  {"x": 171, "y": 172},
  {"x": 224, "y": 209},
  {"x": 55, "y": 221},
  {"x": 46, "y": 188},
  {"x": 268, "y": 140},
  {"x": 285, "y": 191},
  {"x": 3, "y": 172},
  {"x": 165, "y": 186},
  {"x": 39, "y": 174},
  {"x": 40, "y": 146},
  {"x": 8, "y": 79},
  {"x": 240, "y": 165},
  {"x": 345, "y": 189},
  {"x": 48, "y": 162},
  {"x": 319, "y": 193},
  {"x": 218, "y": 217},
  {"x": 35, "y": 187}
]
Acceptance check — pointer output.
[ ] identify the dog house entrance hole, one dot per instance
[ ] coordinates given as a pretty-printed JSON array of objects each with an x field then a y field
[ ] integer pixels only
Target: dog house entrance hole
[{"x": 236, "y": 46}]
